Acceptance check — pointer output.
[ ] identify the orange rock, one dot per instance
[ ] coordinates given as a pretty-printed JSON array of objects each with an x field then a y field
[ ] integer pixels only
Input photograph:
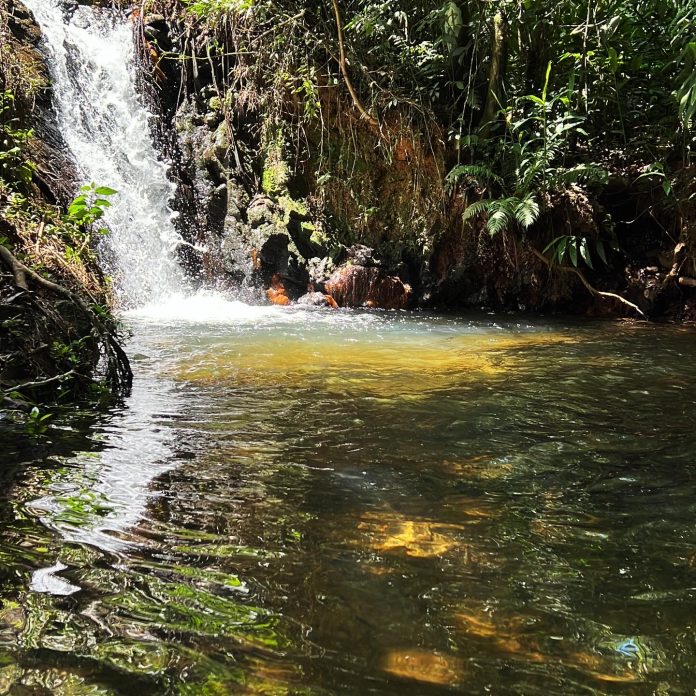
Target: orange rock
[
  {"x": 424, "y": 666},
  {"x": 276, "y": 293},
  {"x": 277, "y": 298},
  {"x": 359, "y": 286}
]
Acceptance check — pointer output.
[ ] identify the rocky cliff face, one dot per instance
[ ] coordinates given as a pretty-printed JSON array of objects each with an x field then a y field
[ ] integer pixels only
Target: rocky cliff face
[{"x": 266, "y": 192}]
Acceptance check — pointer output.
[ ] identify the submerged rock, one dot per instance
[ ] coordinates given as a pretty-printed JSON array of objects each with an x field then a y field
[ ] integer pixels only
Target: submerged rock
[{"x": 363, "y": 286}]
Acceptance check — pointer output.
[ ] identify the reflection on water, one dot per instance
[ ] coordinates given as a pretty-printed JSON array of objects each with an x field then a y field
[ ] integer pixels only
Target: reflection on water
[
  {"x": 98, "y": 499},
  {"x": 298, "y": 502}
]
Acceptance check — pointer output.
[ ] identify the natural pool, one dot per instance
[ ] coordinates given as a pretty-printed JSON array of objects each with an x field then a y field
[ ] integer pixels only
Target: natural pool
[{"x": 297, "y": 502}]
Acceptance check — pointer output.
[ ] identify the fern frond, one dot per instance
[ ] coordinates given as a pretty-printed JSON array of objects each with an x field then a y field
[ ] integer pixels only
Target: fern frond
[
  {"x": 527, "y": 211},
  {"x": 474, "y": 171},
  {"x": 582, "y": 173},
  {"x": 499, "y": 221},
  {"x": 476, "y": 208}
]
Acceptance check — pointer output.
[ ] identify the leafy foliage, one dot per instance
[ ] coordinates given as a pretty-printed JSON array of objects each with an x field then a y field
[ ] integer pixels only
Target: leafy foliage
[
  {"x": 79, "y": 222},
  {"x": 15, "y": 167}
]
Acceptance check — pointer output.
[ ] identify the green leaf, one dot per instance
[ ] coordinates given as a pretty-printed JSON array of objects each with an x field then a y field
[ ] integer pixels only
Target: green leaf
[
  {"x": 527, "y": 211},
  {"x": 562, "y": 247},
  {"x": 552, "y": 243},
  {"x": 105, "y": 191},
  {"x": 585, "y": 252},
  {"x": 599, "y": 246},
  {"x": 474, "y": 171},
  {"x": 573, "y": 253},
  {"x": 476, "y": 208},
  {"x": 498, "y": 222}
]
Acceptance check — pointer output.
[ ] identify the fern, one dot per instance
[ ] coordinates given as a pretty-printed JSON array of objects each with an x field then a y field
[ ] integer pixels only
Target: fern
[
  {"x": 500, "y": 220},
  {"x": 474, "y": 171},
  {"x": 588, "y": 173},
  {"x": 477, "y": 208},
  {"x": 527, "y": 211}
]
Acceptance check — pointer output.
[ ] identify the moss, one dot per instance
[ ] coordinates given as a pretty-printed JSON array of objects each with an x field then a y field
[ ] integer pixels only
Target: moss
[
  {"x": 317, "y": 237},
  {"x": 276, "y": 173},
  {"x": 292, "y": 205},
  {"x": 274, "y": 179}
]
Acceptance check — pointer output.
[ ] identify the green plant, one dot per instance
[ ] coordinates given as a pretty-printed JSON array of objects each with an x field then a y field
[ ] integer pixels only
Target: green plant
[
  {"x": 215, "y": 9},
  {"x": 79, "y": 221},
  {"x": 14, "y": 166},
  {"x": 37, "y": 423},
  {"x": 531, "y": 161},
  {"x": 575, "y": 248}
]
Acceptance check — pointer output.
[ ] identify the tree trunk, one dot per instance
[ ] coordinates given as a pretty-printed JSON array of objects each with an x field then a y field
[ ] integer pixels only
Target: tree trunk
[{"x": 495, "y": 99}]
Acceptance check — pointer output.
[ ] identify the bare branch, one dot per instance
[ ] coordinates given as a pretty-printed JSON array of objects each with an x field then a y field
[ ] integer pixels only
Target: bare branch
[{"x": 344, "y": 69}]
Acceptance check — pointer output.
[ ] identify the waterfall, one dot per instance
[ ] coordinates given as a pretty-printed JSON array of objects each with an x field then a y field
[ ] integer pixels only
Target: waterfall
[{"x": 105, "y": 124}]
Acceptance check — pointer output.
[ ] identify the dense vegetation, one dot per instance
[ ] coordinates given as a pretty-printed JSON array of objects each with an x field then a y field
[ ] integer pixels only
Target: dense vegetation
[
  {"x": 567, "y": 127},
  {"x": 57, "y": 337}
]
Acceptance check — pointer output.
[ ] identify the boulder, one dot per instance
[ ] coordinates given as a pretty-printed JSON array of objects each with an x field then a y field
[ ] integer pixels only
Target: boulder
[
  {"x": 276, "y": 293},
  {"x": 367, "y": 286}
]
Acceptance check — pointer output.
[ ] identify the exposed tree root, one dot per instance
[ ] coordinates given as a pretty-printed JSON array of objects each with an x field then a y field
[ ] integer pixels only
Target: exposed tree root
[
  {"x": 117, "y": 368},
  {"x": 586, "y": 283}
]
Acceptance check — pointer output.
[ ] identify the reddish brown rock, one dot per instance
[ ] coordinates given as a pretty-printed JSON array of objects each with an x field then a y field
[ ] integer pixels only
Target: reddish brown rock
[
  {"x": 361, "y": 286},
  {"x": 276, "y": 293}
]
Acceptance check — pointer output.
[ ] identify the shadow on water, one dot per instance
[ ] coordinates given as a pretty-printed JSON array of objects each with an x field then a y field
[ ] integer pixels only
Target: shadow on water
[{"x": 364, "y": 503}]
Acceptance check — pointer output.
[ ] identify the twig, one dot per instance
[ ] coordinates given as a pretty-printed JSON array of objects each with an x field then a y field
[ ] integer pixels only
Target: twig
[
  {"x": 41, "y": 382},
  {"x": 119, "y": 366},
  {"x": 586, "y": 283}
]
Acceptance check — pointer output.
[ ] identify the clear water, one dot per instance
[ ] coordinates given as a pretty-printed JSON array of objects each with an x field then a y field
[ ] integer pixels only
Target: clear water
[
  {"x": 297, "y": 502},
  {"x": 361, "y": 503}
]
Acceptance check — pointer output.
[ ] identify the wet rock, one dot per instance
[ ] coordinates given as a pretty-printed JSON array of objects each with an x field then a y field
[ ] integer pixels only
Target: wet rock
[
  {"x": 276, "y": 294},
  {"x": 217, "y": 208},
  {"x": 361, "y": 255},
  {"x": 272, "y": 249},
  {"x": 320, "y": 270},
  {"x": 239, "y": 259},
  {"x": 156, "y": 21},
  {"x": 237, "y": 200},
  {"x": 317, "y": 299},
  {"x": 261, "y": 210},
  {"x": 362, "y": 286}
]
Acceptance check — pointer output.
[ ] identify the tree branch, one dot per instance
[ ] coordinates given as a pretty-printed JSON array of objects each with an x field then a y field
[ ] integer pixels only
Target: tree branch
[
  {"x": 119, "y": 371},
  {"x": 586, "y": 283},
  {"x": 42, "y": 382},
  {"x": 344, "y": 69}
]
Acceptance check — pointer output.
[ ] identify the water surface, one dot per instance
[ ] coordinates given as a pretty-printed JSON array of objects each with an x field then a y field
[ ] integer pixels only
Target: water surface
[{"x": 296, "y": 502}]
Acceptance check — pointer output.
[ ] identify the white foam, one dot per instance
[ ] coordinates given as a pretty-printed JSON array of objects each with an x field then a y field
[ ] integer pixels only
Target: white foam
[{"x": 204, "y": 307}]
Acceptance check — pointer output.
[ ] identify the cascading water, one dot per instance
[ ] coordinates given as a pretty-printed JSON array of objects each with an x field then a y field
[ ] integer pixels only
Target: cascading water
[{"x": 105, "y": 125}]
